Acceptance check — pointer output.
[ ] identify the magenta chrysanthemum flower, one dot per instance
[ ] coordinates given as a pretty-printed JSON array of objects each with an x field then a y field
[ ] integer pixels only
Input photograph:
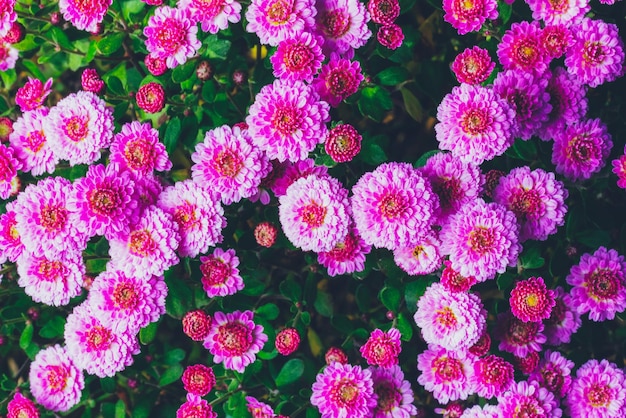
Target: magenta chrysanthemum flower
[
  {"x": 235, "y": 339},
  {"x": 213, "y": 16},
  {"x": 422, "y": 257},
  {"x": 7, "y": 16},
  {"x": 84, "y": 15},
  {"x": 136, "y": 148},
  {"x": 619, "y": 169},
  {"x": 535, "y": 401},
  {"x": 475, "y": 124},
  {"x": 536, "y": 198},
  {"x": 597, "y": 54},
  {"x": 492, "y": 376},
  {"x": 521, "y": 49},
  {"x": 598, "y": 391},
  {"x": 288, "y": 173},
  {"x": 90, "y": 81},
  {"x": 473, "y": 65},
  {"x": 338, "y": 79},
  {"x": 21, "y": 407},
  {"x": 276, "y": 20},
  {"x": 383, "y": 12},
  {"x": 197, "y": 324},
  {"x": 531, "y": 301},
  {"x": 343, "y": 390},
  {"x": 220, "y": 275},
  {"x": 336, "y": 354},
  {"x": 51, "y": 280},
  {"x": 96, "y": 348},
  {"x": 78, "y": 127},
  {"x": 454, "y": 321},
  {"x": 150, "y": 246},
  {"x": 556, "y": 39},
  {"x": 393, "y": 393},
  {"x": 228, "y": 163},
  {"x": 393, "y": 206},
  {"x": 32, "y": 94},
  {"x": 469, "y": 16},
  {"x": 155, "y": 65},
  {"x": 198, "y": 213},
  {"x": 581, "y": 149},
  {"x": 171, "y": 35},
  {"x": 9, "y": 165},
  {"x": 298, "y": 57},
  {"x": 566, "y": 12},
  {"x": 55, "y": 381},
  {"x": 453, "y": 281},
  {"x": 198, "y": 379},
  {"x": 446, "y": 373},
  {"x": 287, "y": 341},
  {"x": 31, "y": 146},
  {"x": 518, "y": 337},
  {"x": 553, "y": 373},
  {"x": 481, "y": 239},
  {"x": 564, "y": 319},
  {"x": 8, "y": 56},
  {"x": 348, "y": 256},
  {"x": 147, "y": 191},
  {"x": 527, "y": 364},
  {"x": 343, "y": 143},
  {"x": 150, "y": 97},
  {"x": 195, "y": 407},
  {"x": 287, "y": 120},
  {"x": 315, "y": 213},
  {"x": 598, "y": 282},
  {"x": 390, "y": 36},
  {"x": 11, "y": 246},
  {"x": 487, "y": 411},
  {"x": 258, "y": 409},
  {"x": 382, "y": 348},
  {"x": 343, "y": 24}
]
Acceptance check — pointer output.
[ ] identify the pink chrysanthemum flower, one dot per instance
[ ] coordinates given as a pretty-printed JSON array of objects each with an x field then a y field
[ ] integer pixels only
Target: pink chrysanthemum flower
[
  {"x": 7, "y": 16},
  {"x": 147, "y": 191},
  {"x": 475, "y": 124},
  {"x": 598, "y": 391},
  {"x": 473, "y": 65},
  {"x": 452, "y": 410},
  {"x": 536, "y": 198},
  {"x": 287, "y": 120},
  {"x": 566, "y": 12},
  {"x": 338, "y": 79},
  {"x": 51, "y": 280},
  {"x": 531, "y": 301},
  {"x": 96, "y": 348},
  {"x": 393, "y": 393},
  {"x": 78, "y": 127},
  {"x": 535, "y": 401},
  {"x": 453, "y": 281},
  {"x": 556, "y": 39},
  {"x": 127, "y": 303},
  {"x": 156, "y": 65},
  {"x": 228, "y": 163},
  {"x": 315, "y": 213},
  {"x": 298, "y": 57},
  {"x": 292, "y": 172},
  {"x": 11, "y": 246},
  {"x": 487, "y": 411},
  {"x": 343, "y": 24},
  {"x": 31, "y": 146},
  {"x": 597, "y": 54},
  {"x": 582, "y": 149},
  {"x": 382, "y": 348},
  {"x": 171, "y": 35},
  {"x": 553, "y": 373},
  {"x": 287, "y": 341},
  {"x": 21, "y": 407},
  {"x": 383, "y": 12},
  {"x": 598, "y": 282},
  {"x": 6, "y": 128},
  {"x": 390, "y": 36},
  {"x": 259, "y": 409},
  {"x": 32, "y": 94},
  {"x": 198, "y": 213},
  {"x": 90, "y": 81},
  {"x": 564, "y": 319},
  {"x": 265, "y": 234},
  {"x": 481, "y": 239},
  {"x": 492, "y": 376},
  {"x": 343, "y": 143},
  {"x": 235, "y": 339},
  {"x": 469, "y": 16},
  {"x": 8, "y": 56},
  {"x": 150, "y": 246},
  {"x": 84, "y": 15},
  {"x": 343, "y": 390},
  {"x": 213, "y": 15},
  {"x": 9, "y": 165},
  {"x": 619, "y": 169},
  {"x": 276, "y": 20},
  {"x": 420, "y": 258},
  {"x": 197, "y": 324},
  {"x": 517, "y": 337},
  {"x": 446, "y": 373},
  {"x": 335, "y": 354},
  {"x": 137, "y": 148},
  {"x": 220, "y": 275},
  {"x": 44, "y": 220},
  {"x": 454, "y": 321},
  {"x": 348, "y": 256},
  {"x": 55, "y": 381},
  {"x": 195, "y": 407},
  {"x": 151, "y": 97},
  {"x": 482, "y": 346},
  {"x": 526, "y": 365},
  {"x": 198, "y": 379},
  {"x": 393, "y": 206},
  {"x": 521, "y": 49}
]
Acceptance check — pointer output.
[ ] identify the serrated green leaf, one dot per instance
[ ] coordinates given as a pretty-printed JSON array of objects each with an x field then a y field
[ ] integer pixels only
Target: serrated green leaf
[
  {"x": 27, "y": 336},
  {"x": 268, "y": 311},
  {"x": 392, "y": 76},
  {"x": 390, "y": 297},
  {"x": 290, "y": 372},
  {"x": 170, "y": 139},
  {"x": 412, "y": 105},
  {"x": 147, "y": 333},
  {"x": 96, "y": 265},
  {"x": 171, "y": 375},
  {"x": 110, "y": 44},
  {"x": 174, "y": 356},
  {"x": 53, "y": 328},
  {"x": 59, "y": 37},
  {"x": 132, "y": 7}
]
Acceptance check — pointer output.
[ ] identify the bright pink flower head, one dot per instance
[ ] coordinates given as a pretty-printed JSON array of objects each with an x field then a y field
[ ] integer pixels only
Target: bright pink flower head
[
  {"x": 343, "y": 143},
  {"x": 338, "y": 79},
  {"x": 517, "y": 337},
  {"x": 553, "y": 373},
  {"x": 390, "y": 36},
  {"x": 155, "y": 64},
  {"x": 220, "y": 275},
  {"x": 171, "y": 34},
  {"x": 151, "y": 97},
  {"x": 598, "y": 391},
  {"x": 453, "y": 281},
  {"x": 276, "y": 20},
  {"x": 288, "y": 173},
  {"x": 21, "y": 407},
  {"x": 259, "y": 409},
  {"x": 198, "y": 379},
  {"x": 422, "y": 257},
  {"x": 136, "y": 148},
  {"x": 287, "y": 341},
  {"x": 619, "y": 169},
  {"x": 383, "y": 12},
  {"x": 469, "y": 16},
  {"x": 492, "y": 376},
  {"x": 265, "y": 234},
  {"x": 7, "y": 16},
  {"x": 521, "y": 49},
  {"x": 566, "y": 12},
  {"x": 526, "y": 365},
  {"x": 195, "y": 407},
  {"x": 394, "y": 394},
  {"x": 581, "y": 150},
  {"x": 235, "y": 339},
  {"x": 11, "y": 246},
  {"x": 287, "y": 120},
  {"x": 9, "y": 165},
  {"x": 32, "y": 94},
  {"x": 452, "y": 410},
  {"x": 482, "y": 346},
  {"x": 348, "y": 256},
  {"x": 475, "y": 124},
  {"x": 564, "y": 319},
  {"x": 393, "y": 206},
  {"x": 446, "y": 373},
  {"x": 8, "y": 56},
  {"x": 343, "y": 24},
  {"x": 84, "y": 15},
  {"x": 15, "y": 34},
  {"x": 454, "y": 321},
  {"x": 335, "y": 354},
  {"x": 597, "y": 54},
  {"x": 343, "y": 390},
  {"x": 473, "y": 65},
  {"x": 197, "y": 324},
  {"x": 30, "y": 144},
  {"x": 382, "y": 348},
  {"x": 556, "y": 39},
  {"x": 55, "y": 381},
  {"x": 531, "y": 301},
  {"x": 535, "y": 401},
  {"x": 90, "y": 81},
  {"x": 298, "y": 57},
  {"x": 213, "y": 15}
]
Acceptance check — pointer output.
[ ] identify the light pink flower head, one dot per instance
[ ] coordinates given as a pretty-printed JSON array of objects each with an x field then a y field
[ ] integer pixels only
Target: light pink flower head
[
  {"x": 338, "y": 80},
  {"x": 530, "y": 398},
  {"x": 84, "y": 15},
  {"x": 553, "y": 373},
  {"x": 9, "y": 165},
  {"x": 517, "y": 337},
  {"x": 492, "y": 376},
  {"x": 31, "y": 146},
  {"x": 259, "y": 409},
  {"x": 564, "y": 319},
  {"x": 136, "y": 148},
  {"x": 521, "y": 48},
  {"x": 473, "y": 65},
  {"x": 598, "y": 391},
  {"x": 343, "y": 24},
  {"x": 287, "y": 173},
  {"x": 382, "y": 348},
  {"x": 422, "y": 257},
  {"x": 171, "y": 35},
  {"x": 394, "y": 394},
  {"x": 213, "y": 15},
  {"x": 276, "y": 20},
  {"x": 11, "y": 246},
  {"x": 298, "y": 57},
  {"x": 348, "y": 256},
  {"x": 446, "y": 373},
  {"x": 220, "y": 275},
  {"x": 55, "y": 381},
  {"x": 486, "y": 411},
  {"x": 7, "y": 16},
  {"x": 469, "y": 16},
  {"x": 566, "y": 12},
  {"x": 32, "y": 94}
]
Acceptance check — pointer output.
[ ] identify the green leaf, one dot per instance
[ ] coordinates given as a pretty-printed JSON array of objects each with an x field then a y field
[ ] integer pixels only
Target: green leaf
[
  {"x": 374, "y": 101},
  {"x": 183, "y": 72},
  {"x": 291, "y": 290},
  {"x": 531, "y": 258},
  {"x": 120, "y": 409},
  {"x": 54, "y": 327},
  {"x": 390, "y": 297},
  {"x": 96, "y": 265},
  {"x": 312, "y": 413},
  {"x": 290, "y": 372},
  {"x": 132, "y": 7},
  {"x": 405, "y": 327},
  {"x": 324, "y": 304},
  {"x": 371, "y": 152},
  {"x": 108, "y": 384},
  {"x": 179, "y": 297},
  {"x": 594, "y": 238},
  {"x": 392, "y": 76},
  {"x": 27, "y": 336},
  {"x": 505, "y": 282},
  {"x": 421, "y": 161},
  {"x": 268, "y": 311},
  {"x": 59, "y": 37},
  {"x": 29, "y": 43},
  {"x": 217, "y": 47},
  {"x": 412, "y": 105},
  {"x": 170, "y": 138},
  {"x": 110, "y": 44},
  {"x": 414, "y": 291},
  {"x": 504, "y": 11},
  {"x": 523, "y": 150},
  {"x": 147, "y": 333},
  {"x": 363, "y": 298},
  {"x": 174, "y": 356},
  {"x": 171, "y": 375},
  {"x": 115, "y": 85}
]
